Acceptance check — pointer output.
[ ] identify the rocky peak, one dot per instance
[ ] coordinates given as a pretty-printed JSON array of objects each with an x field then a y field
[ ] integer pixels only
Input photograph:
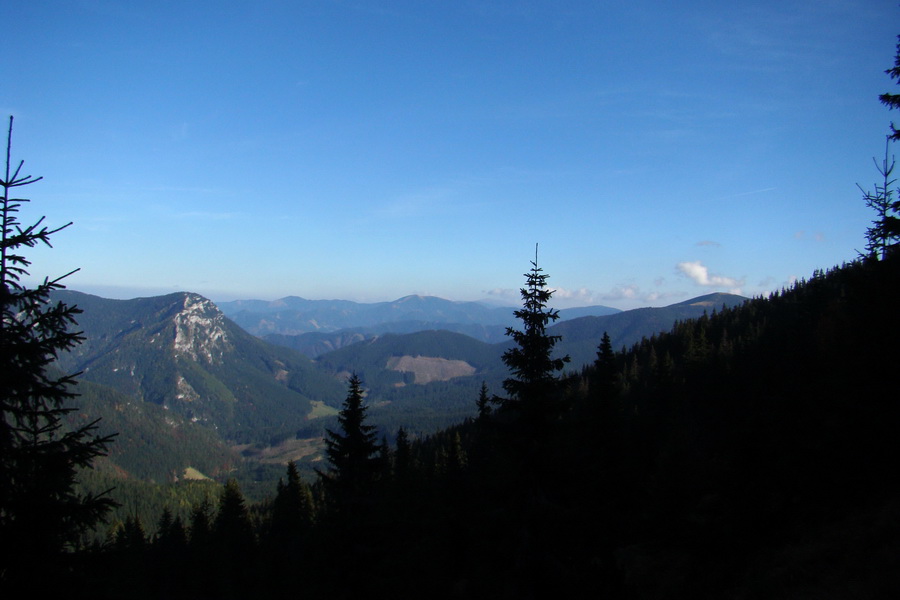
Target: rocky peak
[{"x": 200, "y": 331}]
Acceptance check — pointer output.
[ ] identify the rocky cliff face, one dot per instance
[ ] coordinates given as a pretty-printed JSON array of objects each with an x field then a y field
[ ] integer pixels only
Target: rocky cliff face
[{"x": 200, "y": 333}]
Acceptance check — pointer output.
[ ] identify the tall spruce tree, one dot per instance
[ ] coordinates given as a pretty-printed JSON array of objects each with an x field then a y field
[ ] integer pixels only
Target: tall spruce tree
[
  {"x": 41, "y": 512},
  {"x": 353, "y": 454},
  {"x": 534, "y": 386}
]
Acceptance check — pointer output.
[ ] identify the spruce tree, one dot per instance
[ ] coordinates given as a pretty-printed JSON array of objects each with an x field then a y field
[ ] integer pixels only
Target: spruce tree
[
  {"x": 353, "y": 454},
  {"x": 42, "y": 513},
  {"x": 483, "y": 404},
  {"x": 291, "y": 511},
  {"x": 893, "y": 100},
  {"x": 534, "y": 387},
  {"x": 232, "y": 529},
  {"x": 884, "y": 234},
  {"x": 605, "y": 369}
]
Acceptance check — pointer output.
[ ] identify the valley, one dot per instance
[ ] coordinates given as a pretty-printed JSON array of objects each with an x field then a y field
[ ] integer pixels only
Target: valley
[{"x": 184, "y": 370}]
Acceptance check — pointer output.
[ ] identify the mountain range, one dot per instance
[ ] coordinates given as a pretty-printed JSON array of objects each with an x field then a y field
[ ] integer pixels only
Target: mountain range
[
  {"x": 176, "y": 367},
  {"x": 332, "y": 324}
]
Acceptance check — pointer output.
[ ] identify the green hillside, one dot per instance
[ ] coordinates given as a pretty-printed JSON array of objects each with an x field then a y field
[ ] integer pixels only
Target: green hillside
[{"x": 180, "y": 353}]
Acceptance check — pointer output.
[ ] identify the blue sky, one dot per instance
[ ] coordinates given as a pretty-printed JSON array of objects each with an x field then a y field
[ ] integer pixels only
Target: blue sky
[{"x": 364, "y": 150}]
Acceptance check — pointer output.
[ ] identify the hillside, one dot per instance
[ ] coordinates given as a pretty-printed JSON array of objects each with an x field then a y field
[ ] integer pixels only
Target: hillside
[
  {"x": 179, "y": 352},
  {"x": 581, "y": 336}
]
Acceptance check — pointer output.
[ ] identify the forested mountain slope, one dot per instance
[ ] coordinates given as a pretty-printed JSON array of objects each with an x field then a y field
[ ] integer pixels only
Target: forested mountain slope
[
  {"x": 581, "y": 336},
  {"x": 180, "y": 352}
]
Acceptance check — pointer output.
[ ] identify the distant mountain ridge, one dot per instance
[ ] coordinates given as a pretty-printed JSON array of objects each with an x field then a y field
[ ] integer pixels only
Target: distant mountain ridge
[
  {"x": 294, "y": 315},
  {"x": 315, "y": 327},
  {"x": 580, "y": 337}
]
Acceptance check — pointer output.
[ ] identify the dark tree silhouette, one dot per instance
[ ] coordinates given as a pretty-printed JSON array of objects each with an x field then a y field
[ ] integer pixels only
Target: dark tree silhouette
[
  {"x": 484, "y": 402},
  {"x": 353, "y": 454},
  {"x": 884, "y": 233},
  {"x": 534, "y": 386},
  {"x": 605, "y": 372},
  {"x": 893, "y": 100},
  {"x": 292, "y": 511},
  {"x": 41, "y": 512}
]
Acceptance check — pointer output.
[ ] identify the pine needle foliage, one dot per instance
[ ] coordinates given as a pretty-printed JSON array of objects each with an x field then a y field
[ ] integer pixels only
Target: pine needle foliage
[
  {"x": 893, "y": 100},
  {"x": 353, "y": 453},
  {"x": 533, "y": 387},
  {"x": 41, "y": 512}
]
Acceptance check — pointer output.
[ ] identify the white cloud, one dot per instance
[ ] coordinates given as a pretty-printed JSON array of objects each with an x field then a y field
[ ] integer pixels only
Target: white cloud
[
  {"x": 709, "y": 243},
  {"x": 503, "y": 293},
  {"x": 625, "y": 292},
  {"x": 579, "y": 295},
  {"x": 700, "y": 274}
]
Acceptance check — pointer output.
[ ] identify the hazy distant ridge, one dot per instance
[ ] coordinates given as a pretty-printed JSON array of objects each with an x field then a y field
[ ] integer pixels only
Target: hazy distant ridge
[{"x": 293, "y": 315}]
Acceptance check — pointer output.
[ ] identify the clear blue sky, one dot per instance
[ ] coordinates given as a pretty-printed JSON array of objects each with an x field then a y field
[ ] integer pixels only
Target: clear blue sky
[{"x": 368, "y": 150}]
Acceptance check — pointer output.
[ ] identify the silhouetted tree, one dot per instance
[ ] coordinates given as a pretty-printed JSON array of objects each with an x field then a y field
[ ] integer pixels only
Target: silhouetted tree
[
  {"x": 232, "y": 527},
  {"x": 41, "y": 513},
  {"x": 484, "y": 402},
  {"x": 605, "y": 372},
  {"x": 201, "y": 526},
  {"x": 534, "y": 387},
  {"x": 885, "y": 230},
  {"x": 292, "y": 511},
  {"x": 893, "y": 100},
  {"x": 353, "y": 454},
  {"x": 402, "y": 457}
]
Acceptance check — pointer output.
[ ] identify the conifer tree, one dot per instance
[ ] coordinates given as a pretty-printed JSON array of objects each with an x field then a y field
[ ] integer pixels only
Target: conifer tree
[
  {"x": 201, "y": 526},
  {"x": 605, "y": 368},
  {"x": 534, "y": 387},
  {"x": 893, "y": 100},
  {"x": 884, "y": 234},
  {"x": 41, "y": 513},
  {"x": 353, "y": 454},
  {"x": 232, "y": 528},
  {"x": 292, "y": 510},
  {"x": 483, "y": 403}
]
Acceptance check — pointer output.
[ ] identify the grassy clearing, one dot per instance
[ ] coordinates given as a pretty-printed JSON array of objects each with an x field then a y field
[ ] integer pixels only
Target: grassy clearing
[{"x": 320, "y": 409}]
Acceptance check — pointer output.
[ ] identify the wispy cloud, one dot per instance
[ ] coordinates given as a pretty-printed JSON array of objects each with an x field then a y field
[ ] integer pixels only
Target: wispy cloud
[
  {"x": 749, "y": 193},
  {"x": 699, "y": 274},
  {"x": 710, "y": 244}
]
